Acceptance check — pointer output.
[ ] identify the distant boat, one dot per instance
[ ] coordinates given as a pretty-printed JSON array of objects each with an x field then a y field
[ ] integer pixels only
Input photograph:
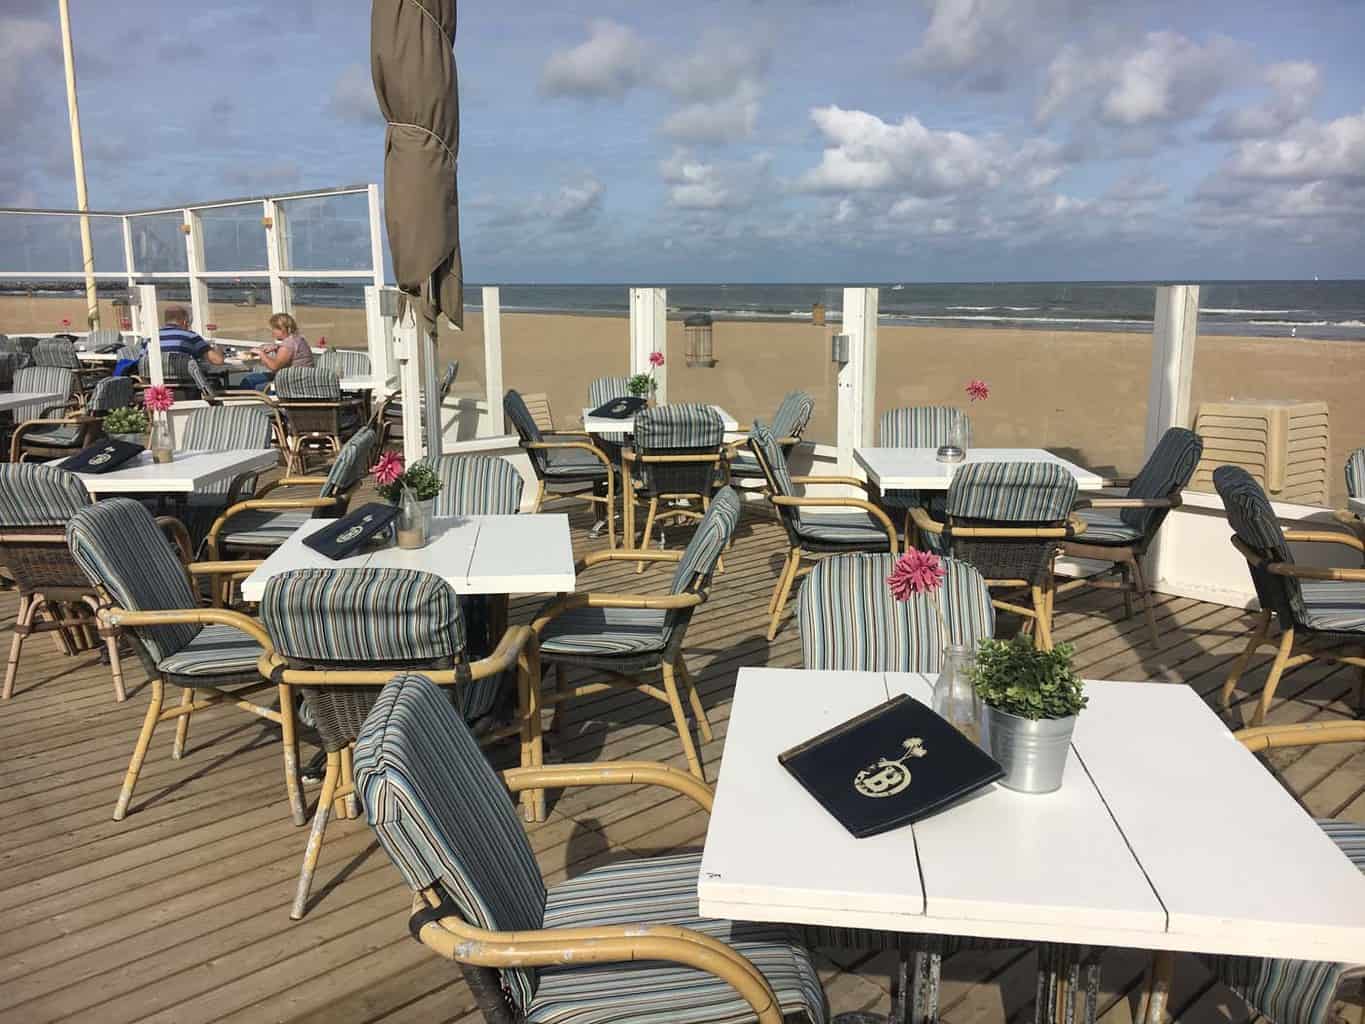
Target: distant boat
[{"x": 898, "y": 288}]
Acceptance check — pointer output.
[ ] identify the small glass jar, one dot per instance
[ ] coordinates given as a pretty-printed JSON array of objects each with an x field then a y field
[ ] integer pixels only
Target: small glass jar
[
  {"x": 414, "y": 527},
  {"x": 954, "y": 447},
  {"x": 161, "y": 441},
  {"x": 955, "y": 696}
]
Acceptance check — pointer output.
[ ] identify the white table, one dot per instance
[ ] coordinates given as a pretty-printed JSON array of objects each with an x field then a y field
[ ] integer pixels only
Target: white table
[
  {"x": 16, "y": 399},
  {"x": 97, "y": 357},
  {"x": 918, "y": 469},
  {"x": 190, "y": 471},
  {"x": 362, "y": 383},
  {"x": 530, "y": 554},
  {"x": 606, "y": 425},
  {"x": 1166, "y": 834}
]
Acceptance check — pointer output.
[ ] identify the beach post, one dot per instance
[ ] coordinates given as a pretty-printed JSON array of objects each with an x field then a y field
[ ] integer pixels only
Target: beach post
[
  {"x": 492, "y": 358},
  {"x": 649, "y": 333},
  {"x": 857, "y": 382}
]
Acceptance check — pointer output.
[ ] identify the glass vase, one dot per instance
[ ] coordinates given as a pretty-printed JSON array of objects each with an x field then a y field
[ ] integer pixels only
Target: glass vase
[
  {"x": 955, "y": 696},
  {"x": 414, "y": 526},
  {"x": 954, "y": 447},
  {"x": 161, "y": 441}
]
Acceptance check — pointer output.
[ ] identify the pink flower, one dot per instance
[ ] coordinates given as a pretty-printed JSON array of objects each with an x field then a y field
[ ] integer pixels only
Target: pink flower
[
  {"x": 978, "y": 389},
  {"x": 916, "y": 572},
  {"x": 66, "y": 322},
  {"x": 389, "y": 468},
  {"x": 656, "y": 359},
  {"x": 158, "y": 398}
]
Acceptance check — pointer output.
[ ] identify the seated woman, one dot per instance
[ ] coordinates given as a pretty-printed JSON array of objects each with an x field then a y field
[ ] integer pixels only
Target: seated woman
[{"x": 288, "y": 349}]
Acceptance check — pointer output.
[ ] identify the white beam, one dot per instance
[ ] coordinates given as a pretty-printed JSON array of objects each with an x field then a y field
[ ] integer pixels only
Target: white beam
[
  {"x": 276, "y": 255},
  {"x": 857, "y": 381},
  {"x": 1175, "y": 329},
  {"x": 649, "y": 333},
  {"x": 492, "y": 358},
  {"x": 194, "y": 261},
  {"x": 379, "y": 336},
  {"x": 376, "y": 236},
  {"x": 408, "y": 353},
  {"x": 148, "y": 325}
]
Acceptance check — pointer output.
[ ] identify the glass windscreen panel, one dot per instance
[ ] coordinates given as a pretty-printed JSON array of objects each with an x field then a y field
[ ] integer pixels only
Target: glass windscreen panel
[
  {"x": 51, "y": 244},
  {"x": 331, "y": 309},
  {"x": 238, "y": 310},
  {"x": 327, "y": 232},
  {"x": 551, "y": 354},
  {"x": 51, "y": 306},
  {"x": 159, "y": 243},
  {"x": 233, "y": 238}
]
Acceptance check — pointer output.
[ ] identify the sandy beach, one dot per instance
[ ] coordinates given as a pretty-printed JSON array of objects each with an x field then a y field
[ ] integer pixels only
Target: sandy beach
[{"x": 1080, "y": 393}]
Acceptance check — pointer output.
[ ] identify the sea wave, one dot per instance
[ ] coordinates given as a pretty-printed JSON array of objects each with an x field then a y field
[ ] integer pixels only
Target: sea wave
[
  {"x": 1022, "y": 319},
  {"x": 1234, "y": 311},
  {"x": 983, "y": 309}
]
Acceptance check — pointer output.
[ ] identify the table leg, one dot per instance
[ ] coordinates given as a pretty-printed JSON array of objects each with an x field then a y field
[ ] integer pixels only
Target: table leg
[
  {"x": 914, "y": 993},
  {"x": 1059, "y": 981}
]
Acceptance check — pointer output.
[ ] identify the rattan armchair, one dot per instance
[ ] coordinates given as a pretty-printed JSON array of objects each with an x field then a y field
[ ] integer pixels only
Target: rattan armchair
[
  {"x": 1009, "y": 519},
  {"x": 1320, "y": 612},
  {"x": 1355, "y": 488},
  {"x": 675, "y": 461},
  {"x": 920, "y": 426},
  {"x": 69, "y": 433},
  {"x": 340, "y": 634},
  {"x": 789, "y": 422},
  {"x": 177, "y": 373},
  {"x": 530, "y": 953},
  {"x": 317, "y": 417},
  {"x": 388, "y": 415},
  {"x": 863, "y": 527},
  {"x": 623, "y": 638},
  {"x": 566, "y": 465}
]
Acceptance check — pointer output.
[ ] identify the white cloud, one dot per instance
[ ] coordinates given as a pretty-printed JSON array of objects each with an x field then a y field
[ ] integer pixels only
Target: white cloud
[
  {"x": 352, "y": 97},
  {"x": 1294, "y": 85},
  {"x": 720, "y": 67},
  {"x": 1138, "y": 188},
  {"x": 255, "y": 178},
  {"x": 728, "y": 119},
  {"x": 982, "y": 42},
  {"x": 573, "y": 204},
  {"x": 695, "y": 184},
  {"x": 1313, "y": 151},
  {"x": 609, "y": 63},
  {"x": 1168, "y": 78}
]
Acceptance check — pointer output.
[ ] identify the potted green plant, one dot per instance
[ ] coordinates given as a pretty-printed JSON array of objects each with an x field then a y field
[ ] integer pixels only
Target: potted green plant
[
  {"x": 127, "y": 424},
  {"x": 413, "y": 491},
  {"x": 643, "y": 385},
  {"x": 1031, "y": 698}
]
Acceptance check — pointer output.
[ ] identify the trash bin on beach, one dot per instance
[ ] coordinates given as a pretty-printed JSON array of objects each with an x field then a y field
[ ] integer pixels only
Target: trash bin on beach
[
  {"x": 817, "y": 314},
  {"x": 698, "y": 328}
]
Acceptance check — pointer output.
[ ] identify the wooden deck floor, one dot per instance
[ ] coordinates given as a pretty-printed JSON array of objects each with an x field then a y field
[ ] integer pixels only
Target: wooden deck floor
[{"x": 180, "y": 912}]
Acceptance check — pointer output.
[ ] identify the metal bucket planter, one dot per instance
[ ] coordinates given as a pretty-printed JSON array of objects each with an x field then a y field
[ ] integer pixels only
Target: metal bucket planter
[{"x": 1033, "y": 753}]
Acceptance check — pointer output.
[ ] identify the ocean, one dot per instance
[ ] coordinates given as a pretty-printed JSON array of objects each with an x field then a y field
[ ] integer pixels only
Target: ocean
[{"x": 1333, "y": 310}]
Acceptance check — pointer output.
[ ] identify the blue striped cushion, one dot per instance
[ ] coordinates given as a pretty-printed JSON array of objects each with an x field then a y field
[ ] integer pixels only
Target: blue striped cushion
[
  {"x": 119, "y": 546},
  {"x": 261, "y": 528},
  {"x": 1014, "y": 492},
  {"x": 1335, "y": 605},
  {"x": 344, "y": 362},
  {"x": 850, "y": 622},
  {"x": 678, "y": 426},
  {"x": 572, "y": 464},
  {"x": 47, "y": 380},
  {"x": 102, "y": 337},
  {"x": 217, "y": 650},
  {"x": 223, "y": 427},
  {"x": 792, "y": 415},
  {"x": 351, "y": 463},
  {"x": 56, "y": 352},
  {"x": 1168, "y": 469},
  {"x": 36, "y": 495},
  {"x": 840, "y": 527},
  {"x": 1355, "y": 474},
  {"x": 924, "y": 426},
  {"x": 769, "y": 454},
  {"x": 477, "y": 485},
  {"x": 201, "y": 379},
  {"x": 601, "y": 391},
  {"x": 443, "y": 816},
  {"x": 307, "y": 383},
  {"x": 605, "y": 632},
  {"x": 514, "y": 406},
  {"x": 62, "y": 435},
  {"x": 1253, "y": 520},
  {"x": 1106, "y": 526},
  {"x": 703, "y": 551},
  {"x": 176, "y": 367},
  {"x": 110, "y": 393},
  {"x": 745, "y": 466},
  {"x": 663, "y": 890}
]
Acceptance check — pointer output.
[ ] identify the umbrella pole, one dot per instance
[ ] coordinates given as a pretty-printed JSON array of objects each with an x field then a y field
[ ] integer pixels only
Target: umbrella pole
[{"x": 92, "y": 306}]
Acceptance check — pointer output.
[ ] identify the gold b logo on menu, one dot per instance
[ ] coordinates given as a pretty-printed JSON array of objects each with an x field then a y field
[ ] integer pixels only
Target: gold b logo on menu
[{"x": 888, "y": 776}]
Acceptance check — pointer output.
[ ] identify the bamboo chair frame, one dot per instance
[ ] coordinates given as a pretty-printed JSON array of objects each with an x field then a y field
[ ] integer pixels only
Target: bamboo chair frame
[
  {"x": 318, "y": 426},
  {"x": 629, "y": 497},
  {"x": 90, "y": 432},
  {"x": 337, "y": 796},
  {"x": 254, "y": 398},
  {"x": 449, "y": 936},
  {"x": 731, "y": 448},
  {"x": 1127, "y": 558},
  {"x": 1292, "y": 650},
  {"x": 1042, "y": 595},
  {"x": 1257, "y": 739},
  {"x": 588, "y": 495},
  {"x": 794, "y": 568},
  {"x": 672, "y": 670}
]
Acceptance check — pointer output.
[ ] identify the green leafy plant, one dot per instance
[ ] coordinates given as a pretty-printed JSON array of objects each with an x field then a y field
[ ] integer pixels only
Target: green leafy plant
[
  {"x": 1016, "y": 678},
  {"x": 128, "y": 420},
  {"x": 421, "y": 479},
  {"x": 641, "y": 384}
]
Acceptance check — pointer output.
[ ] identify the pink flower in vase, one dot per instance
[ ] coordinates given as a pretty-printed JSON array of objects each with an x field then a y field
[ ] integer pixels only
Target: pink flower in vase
[
  {"x": 656, "y": 359},
  {"x": 66, "y": 323},
  {"x": 978, "y": 390},
  {"x": 158, "y": 398},
  {"x": 916, "y": 572},
  {"x": 388, "y": 469}
]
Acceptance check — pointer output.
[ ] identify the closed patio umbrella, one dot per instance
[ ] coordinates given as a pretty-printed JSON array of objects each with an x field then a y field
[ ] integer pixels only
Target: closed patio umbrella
[{"x": 413, "y": 65}]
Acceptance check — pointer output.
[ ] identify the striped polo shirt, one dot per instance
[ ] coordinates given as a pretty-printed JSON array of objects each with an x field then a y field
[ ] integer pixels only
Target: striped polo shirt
[{"x": 181, "y": 339}]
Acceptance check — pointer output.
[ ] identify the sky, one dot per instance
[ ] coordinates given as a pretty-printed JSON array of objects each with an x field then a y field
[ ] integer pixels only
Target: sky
[{"x": 752, "y": 140}]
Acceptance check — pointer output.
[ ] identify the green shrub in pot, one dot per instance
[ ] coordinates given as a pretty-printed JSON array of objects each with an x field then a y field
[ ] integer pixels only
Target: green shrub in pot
[{"x": 128, "y": 423}]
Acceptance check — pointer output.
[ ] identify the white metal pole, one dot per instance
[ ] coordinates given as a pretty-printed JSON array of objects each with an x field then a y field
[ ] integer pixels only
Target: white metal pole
[
  {"x": 406, "y": 336},
  {"x": 492, "y": 360},
  {"x": 92, "y": 311}
]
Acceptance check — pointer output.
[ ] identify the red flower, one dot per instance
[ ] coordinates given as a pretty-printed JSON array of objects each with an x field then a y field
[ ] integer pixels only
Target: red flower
[
  {"x": 978, "y": 389},
  {"x": 656, "y": 359},
  {"x": 389, "y": 468},
  {"x": 66, "y": 322},
  {"x": 916, "y": 572},
  {"x": 158, "y": 398}
]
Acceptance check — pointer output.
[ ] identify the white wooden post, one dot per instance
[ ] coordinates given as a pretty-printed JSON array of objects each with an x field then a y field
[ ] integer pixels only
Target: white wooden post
[
  {"x": 431, "y": 394},
  {"x": 492, "y": 360},
  {"x": 148, "y": 325},
  {"x": 649, "y": 333},
  {"x": 857, "y": 382},
  {"x": 376, "y": 235},
  {"x": 406, "y": 350},
  {"x": 1175, "y": 329},
  {"x": 194, "y": 263},
  {"x": 276, "y": 255},
  {"x": 379, "y": 337},
  {"x": 128, "y": 253}
]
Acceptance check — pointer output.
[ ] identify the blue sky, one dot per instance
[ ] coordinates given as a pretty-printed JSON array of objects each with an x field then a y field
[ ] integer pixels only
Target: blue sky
[{"x": 754, "y": 141}]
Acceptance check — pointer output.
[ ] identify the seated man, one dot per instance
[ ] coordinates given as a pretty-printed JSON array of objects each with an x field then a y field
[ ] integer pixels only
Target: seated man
[
  {"x": 288, "y": 349},
  {"x": 176, "y": 336}
]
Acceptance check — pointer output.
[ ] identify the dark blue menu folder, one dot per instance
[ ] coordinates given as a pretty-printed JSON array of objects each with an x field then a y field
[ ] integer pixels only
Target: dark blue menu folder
[
  {"x": 107, "y": 455},
  {"x": 619, "y": 408},
  {"x": 353, "y": 531}
]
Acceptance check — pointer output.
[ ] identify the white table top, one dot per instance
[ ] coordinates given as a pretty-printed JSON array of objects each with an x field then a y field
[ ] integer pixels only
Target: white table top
[
  {"x": 605, "y": 425},
  {"x": 97, "y": 357},
  {"x": 361, "y": 383},
  {"x": 1166, "y": 834},
  {"x": 918, "y": 469},
  {"x": 187, "y": 473},
  {"x": 14, "y": 399},
  {"x": 530, "y": 554}
]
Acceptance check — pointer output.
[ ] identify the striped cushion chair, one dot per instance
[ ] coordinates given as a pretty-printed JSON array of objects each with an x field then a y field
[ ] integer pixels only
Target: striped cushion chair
[
  {"x": 787, "y": 425},
  {"x": 389, "y": 415},
  {"x": 10, "y": 346},
  {"x": 8, "y": 364},
  {"x": 862, "y": 527},
  {"x": 177, "y": 373},
  {"x": 477, "y": 485},
  {"x": 58, "y": 438},
  {"x": 369, "y": 623},
  {"x": 676, "y": 457},
  {"x": 103, "y": 339},
  {"x": 35, "y": 503},
  {"x": 920, "y": 426},
  {"x": 601, "y": 391},
  {"x": 317, "y": 417},
  {"x": 344, "y": 362},
  {"x": 43, "y": 380},
  {"x": 1320, "y": 612},
  {"x": 1009, "y": 520},
  {"x": 442, "y": 815},
  {"x": 1120, "y": 530},
  {"x": 628, "y": 637},
  {"x": 1355, "y": 474},
  {"x": 264, "y": 522},
  {"x": 210, "y": 653},
  {"x": 57, "y": 352},
  {"x": 567, "y": 465},
  {"x": 223, "y": 427}
]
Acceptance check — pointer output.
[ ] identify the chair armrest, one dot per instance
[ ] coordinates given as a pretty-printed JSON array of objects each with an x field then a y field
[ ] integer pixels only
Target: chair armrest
[
  {"x": 1349, "y": 540},
  {"x": 874, "y": 511},
  {"x": 275, "y": 504},
  {"x": 243, "y": 568},
  {"x": 17, "y": 435},
  {"x": 613, "y": 773},
  {"x": 587, "y": 446},
  {"x": 657, "y": 602},
  {"x": 1074, "y": 528},
  {"x": 509, "y": 649},
  {"x": 598, "y": 557},
  {"x": 454, "y": 939},
  {"x": 843, "y": 481},
  {"x": 505, "y": 655},
  {"x": 201, "y": 616},
  {"x": 1308, "y": 572},
  {"x": 1303, "y": 734},
  {"x": 1173, "y": 502},
  {"x": 176, "y": 533},
  {"x": 291, "y": 481}
]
